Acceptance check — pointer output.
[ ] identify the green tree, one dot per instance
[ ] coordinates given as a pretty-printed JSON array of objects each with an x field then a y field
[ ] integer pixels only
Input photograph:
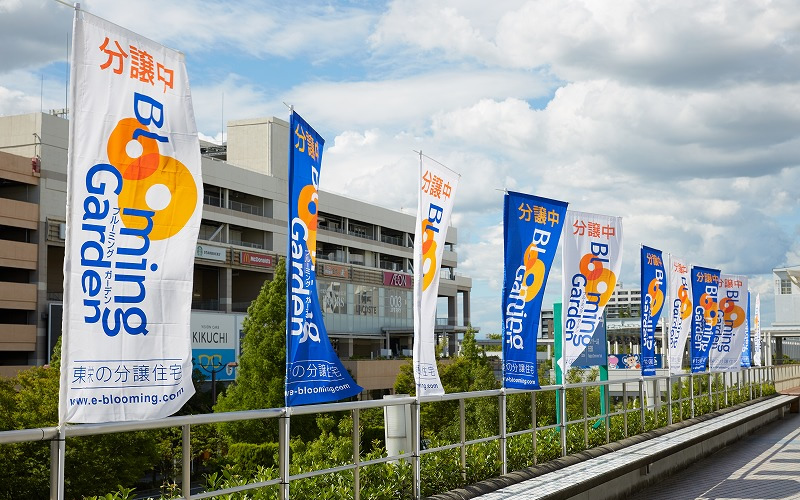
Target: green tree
[
  {"x": 469, "y": 371},
  {"x": 30, "y": 400},
  {"x": 262, "y": 365},
  {"x": 262, "y": 368}
]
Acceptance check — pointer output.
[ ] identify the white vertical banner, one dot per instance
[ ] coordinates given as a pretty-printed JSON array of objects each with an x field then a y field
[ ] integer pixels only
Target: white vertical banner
[
  {"x": 592, "y": 259},
  {"x": 726, "y": 350},
  {"x": 437, "y": 187},
  {"x": 680, "y": 295},
  {"x": 757, "y": 332},
  {"x": 134, "y": 193}
]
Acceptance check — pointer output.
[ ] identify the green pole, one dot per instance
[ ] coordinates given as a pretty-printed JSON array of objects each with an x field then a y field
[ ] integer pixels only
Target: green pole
[
  {"x": 603, "y": 378},
  {"x": 604, "y": 369},
  {"x": 603, "y": 409}
]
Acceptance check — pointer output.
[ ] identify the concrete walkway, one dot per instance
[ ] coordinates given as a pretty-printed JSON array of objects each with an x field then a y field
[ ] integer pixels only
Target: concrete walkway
[
  {"x": 761, "y": 460},
  {"x": 763, "y": 465}
]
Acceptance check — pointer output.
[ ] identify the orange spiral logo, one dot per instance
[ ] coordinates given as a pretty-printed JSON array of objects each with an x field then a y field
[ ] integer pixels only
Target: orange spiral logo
[
  {"x": 731, "y": 312},
  {"x": 656, "y": 297},
  {"x": 533, "y": 279},
  {"x": 307, "y": 211},
  {"x": 710, "y": 308},
  {"x": 686, "y": 302},
  {"x": 428, "y": 253},
  {"x": 599, "y": 280},
  {"x": 152, "y": 181}
]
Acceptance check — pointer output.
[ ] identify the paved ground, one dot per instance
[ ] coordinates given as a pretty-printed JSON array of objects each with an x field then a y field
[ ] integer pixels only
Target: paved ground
[{"x": 764, "y": 465}]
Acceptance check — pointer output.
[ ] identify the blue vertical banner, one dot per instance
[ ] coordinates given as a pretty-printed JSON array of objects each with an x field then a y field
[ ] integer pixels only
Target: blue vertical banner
[
  {"x": 705, "y": 321},
  {"x": 653, "y": 286},
  {"x": 314, "y": 374},
  {"x": 532, "y": 228},
  {"x": 746, "y": 361}
]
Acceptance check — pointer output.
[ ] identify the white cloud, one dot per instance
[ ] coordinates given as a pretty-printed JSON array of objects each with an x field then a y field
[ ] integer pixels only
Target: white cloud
[
  {"x": 232, "y": 98},
  {"x": 659, "y": 42},
  {"x": 254, "y": 28},
  {"x": 24, "y": 92},
  {"x": 408, "y": 103},
  {"x": 681, "y": 116},
  {"x": 33, "y": 33},
  {"x": 510, "y": 123}
]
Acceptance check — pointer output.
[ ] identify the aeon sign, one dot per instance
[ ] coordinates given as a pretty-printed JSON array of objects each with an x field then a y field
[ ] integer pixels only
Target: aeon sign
[{"x": 397, "y": 279}]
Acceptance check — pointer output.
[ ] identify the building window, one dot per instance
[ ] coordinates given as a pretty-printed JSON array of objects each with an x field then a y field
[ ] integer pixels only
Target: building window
[
  {"x": 333, "y": 297},
  {"x": 366, "y": 300},
  {"x": 396, "y": 303},
  {"x": 786, "y": 287}
]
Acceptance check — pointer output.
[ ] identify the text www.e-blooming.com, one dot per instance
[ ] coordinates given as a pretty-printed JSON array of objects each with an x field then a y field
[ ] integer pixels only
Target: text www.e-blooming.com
[{"x": 109, "y": 399}]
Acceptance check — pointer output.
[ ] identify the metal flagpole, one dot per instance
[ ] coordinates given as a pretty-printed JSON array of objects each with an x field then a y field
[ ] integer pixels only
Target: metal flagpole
[
  {"x": 284, "y": 431},
  {"x": 61, "y": 437},
  {"x": 416, "y": 433},
  {"x": 288, "y": 287},
  {"x": 62, "y": 449},
  {"x": 644, "y": 396},
  {"x": 666, "y": 333}
]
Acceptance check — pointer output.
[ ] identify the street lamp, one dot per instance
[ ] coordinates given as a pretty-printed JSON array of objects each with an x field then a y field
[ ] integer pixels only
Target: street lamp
[{"x": 213, "y": 369}]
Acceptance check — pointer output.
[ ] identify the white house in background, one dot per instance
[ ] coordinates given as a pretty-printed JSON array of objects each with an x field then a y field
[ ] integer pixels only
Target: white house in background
[{"x": 783, "y": 337}]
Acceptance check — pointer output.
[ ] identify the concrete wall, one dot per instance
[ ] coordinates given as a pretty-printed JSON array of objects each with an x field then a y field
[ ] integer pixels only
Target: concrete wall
[
  {"x": 374, "y": 374},
  {"x": 786, "y": 377}
]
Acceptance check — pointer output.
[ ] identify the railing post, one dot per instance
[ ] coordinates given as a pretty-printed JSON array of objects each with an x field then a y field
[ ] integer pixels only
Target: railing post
[
  {"x": 669, "y": 399},
  {"x": 462, "y": 429},
  {"x": 642, "y": 402},
  {"x": 563, "y": 422},
  {"x": 585, "y": 421},
  {"x": 356, "y": 455},
  {"x": 741, "y": 379},
  {"x": 54, "y": 469},
  {"x": 710, "y": 391},
  {"x": 186, "y": 461},
  {"x": 725, "y": 387},
  {"x": 503, "y": 459},
  {"x": 62, "y": 459},
  {"x": 625, "y": 407},
  {"x": 415, "y": 445},
  {"x": 691, "y": 393},
  {"x": 284, "y": 433}
]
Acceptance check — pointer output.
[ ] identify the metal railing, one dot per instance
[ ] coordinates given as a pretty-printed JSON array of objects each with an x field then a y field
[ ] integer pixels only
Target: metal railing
[
  {"x": 245, "y": 208},
  {"x": 247, "y": 244},
  {"x": 638, "y": 403},
  {"x": 391, "y": 266},
  {"x": 393, "y": 240},
  {"x": 214, "y": 201}
]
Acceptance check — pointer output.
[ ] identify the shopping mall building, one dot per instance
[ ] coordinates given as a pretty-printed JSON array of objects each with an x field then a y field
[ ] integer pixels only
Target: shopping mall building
[{"x": 364, "y": 252}]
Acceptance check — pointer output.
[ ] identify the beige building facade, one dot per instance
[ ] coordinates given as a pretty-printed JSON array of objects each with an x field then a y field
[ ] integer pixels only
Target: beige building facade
[{"x": 364, "y": 265}]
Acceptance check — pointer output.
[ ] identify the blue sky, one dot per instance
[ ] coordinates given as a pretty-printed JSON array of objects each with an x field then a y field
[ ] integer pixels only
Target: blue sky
[{"x": 683, "y": 117}]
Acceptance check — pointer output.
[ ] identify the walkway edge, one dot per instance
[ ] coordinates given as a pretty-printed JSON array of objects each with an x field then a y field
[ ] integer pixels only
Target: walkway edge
[{"x": 494, "y": 484}]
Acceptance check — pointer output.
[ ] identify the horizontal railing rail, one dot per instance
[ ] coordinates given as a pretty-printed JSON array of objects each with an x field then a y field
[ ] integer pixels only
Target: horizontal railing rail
[{"x": 655, "y": 399}]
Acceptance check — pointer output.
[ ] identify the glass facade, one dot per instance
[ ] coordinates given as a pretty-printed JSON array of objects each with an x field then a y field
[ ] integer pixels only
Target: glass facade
[{"x": 352, "y": 308}]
